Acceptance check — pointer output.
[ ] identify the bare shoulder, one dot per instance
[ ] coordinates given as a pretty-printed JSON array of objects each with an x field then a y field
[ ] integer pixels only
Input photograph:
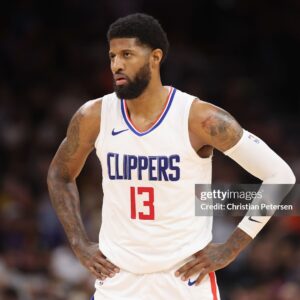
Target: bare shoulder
[
  {"x": 91, "y": 109},
  {"x": 213, "y": 125},
  {"x": 86, "y": 122}
]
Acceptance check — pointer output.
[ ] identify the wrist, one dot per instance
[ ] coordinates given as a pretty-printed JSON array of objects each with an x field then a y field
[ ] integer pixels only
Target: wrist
[
  {"x": 79, "y": 243},
  {"x": 237, "y": 242}
]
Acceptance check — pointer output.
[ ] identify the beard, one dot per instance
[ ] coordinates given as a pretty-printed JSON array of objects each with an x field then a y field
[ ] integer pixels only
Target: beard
[{"x": 135, "y": 87}]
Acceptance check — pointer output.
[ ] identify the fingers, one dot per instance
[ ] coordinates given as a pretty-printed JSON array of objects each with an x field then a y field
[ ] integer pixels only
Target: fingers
[
  {"x": 101, "y": 259},
  {"x": 195, "y": 266},
  {"x": 101, "y": 271},
  {"x": 102, "y": 268},
  {"x": 103, "y": 265},
  {"x": 201, "y": 276},
  {"x": 93, "y": 259},
  {"x": 196, "y": 269},
  {"x": 110, "y": 266},
  {"x": 186, "y": 267},
  {"x": 199, "y": 268},
  {"x": 97, "y": 273}
]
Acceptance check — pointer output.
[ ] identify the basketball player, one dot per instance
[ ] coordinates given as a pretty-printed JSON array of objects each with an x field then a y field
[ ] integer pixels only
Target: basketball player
[{"x": 154, "y": 143}]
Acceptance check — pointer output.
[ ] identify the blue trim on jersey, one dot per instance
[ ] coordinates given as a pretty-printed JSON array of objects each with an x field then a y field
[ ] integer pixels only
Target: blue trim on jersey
[{"x": 156, "y": 125}]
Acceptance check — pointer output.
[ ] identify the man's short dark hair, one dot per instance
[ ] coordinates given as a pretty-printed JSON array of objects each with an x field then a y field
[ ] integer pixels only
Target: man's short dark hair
[{"x": 143, "y": 27}]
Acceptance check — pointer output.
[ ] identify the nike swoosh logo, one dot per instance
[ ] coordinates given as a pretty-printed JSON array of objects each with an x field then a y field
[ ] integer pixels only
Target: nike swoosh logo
[
  {"x": 190, "y": 283},
  {"x": 251, "y": 219},
  {"x": 118, "y": 132}
]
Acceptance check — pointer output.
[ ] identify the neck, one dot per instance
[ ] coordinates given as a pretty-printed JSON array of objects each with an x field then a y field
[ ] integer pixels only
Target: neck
[{"x": 150, "y": 102}]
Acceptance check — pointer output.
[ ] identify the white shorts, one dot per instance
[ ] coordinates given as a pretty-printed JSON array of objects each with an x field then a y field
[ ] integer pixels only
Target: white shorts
[{"x": 156, "y": 286}]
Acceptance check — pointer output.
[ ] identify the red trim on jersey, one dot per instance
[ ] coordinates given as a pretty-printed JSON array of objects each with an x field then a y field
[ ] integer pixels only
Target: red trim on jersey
[
  {"x": 157, "y": 119},
  {"x": 213, "y": 285}
]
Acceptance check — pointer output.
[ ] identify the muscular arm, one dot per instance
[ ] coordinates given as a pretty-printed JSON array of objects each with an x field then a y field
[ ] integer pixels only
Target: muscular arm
[
  {"x": 215, "y": 127},
  {"x": 210, "y": 126},
  {"x": 64, "y": 169},
  {"x": 214, "y": 256}
]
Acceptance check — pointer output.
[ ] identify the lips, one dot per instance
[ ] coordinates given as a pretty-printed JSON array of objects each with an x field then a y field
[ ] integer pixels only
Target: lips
[{"x": 120, "y": 79}]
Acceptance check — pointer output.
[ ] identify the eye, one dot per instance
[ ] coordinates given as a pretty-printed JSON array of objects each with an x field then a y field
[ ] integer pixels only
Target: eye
[
  {"x": 111, "y": 56},
  {"x": 127, "y": 54}
]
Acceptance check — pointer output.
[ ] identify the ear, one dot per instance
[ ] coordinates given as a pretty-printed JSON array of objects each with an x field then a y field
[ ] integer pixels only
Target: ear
[{"x": 156, "y": 57}]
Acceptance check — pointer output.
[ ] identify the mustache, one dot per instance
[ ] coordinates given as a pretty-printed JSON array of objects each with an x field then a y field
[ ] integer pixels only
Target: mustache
[{"x": 120, "y": 75}]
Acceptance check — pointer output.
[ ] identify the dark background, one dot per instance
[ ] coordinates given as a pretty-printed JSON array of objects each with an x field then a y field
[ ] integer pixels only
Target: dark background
[{"x": 242, "y": 55}]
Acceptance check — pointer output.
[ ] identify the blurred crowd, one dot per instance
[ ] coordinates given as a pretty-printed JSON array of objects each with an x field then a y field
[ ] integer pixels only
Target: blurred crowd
[{"x": 239, "y": 54}]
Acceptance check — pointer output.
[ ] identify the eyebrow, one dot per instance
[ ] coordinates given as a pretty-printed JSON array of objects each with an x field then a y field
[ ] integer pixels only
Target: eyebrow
[{"x": 123, "y": 50}]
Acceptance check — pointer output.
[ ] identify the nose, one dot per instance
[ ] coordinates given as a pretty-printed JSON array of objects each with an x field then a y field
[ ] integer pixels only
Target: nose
[{"x": 117, "y": 64}]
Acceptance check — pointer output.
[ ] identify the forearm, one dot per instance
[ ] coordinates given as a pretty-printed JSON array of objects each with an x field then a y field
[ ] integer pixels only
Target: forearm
[
  {"x": 65, "y": 200},
  {"x": 236, "y": 243},
  {"x": 257, "y": 158},
  {"x": 215, "y": 256},
  {"x": 261, "y": 161}
]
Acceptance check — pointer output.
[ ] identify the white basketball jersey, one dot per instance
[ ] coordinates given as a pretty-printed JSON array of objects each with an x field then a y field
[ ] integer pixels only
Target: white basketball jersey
[{"x": 148, "y": 215}]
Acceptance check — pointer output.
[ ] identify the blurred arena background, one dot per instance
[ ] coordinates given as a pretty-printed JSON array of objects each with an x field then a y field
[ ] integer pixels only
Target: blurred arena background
[{"x": 242, "y": 55}]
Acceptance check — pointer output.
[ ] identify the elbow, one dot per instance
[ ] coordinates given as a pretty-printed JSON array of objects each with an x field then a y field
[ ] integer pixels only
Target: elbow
[
  {"x": 285, "y": 175},
  {"x": 58, "y": 174},
  {"x": 290, "y": 177},
  {"x": 53, "y": 176}
]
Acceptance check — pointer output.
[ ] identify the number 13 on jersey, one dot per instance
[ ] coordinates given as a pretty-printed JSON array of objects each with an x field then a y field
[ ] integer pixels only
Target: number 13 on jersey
[{"x": 146, "y": 195}]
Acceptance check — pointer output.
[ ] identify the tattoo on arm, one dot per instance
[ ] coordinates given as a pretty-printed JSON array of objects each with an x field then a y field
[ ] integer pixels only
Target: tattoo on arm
[
  {"x": 239, "y": 240},
  {"x": 68, "y": 147},
  {"x": 222, "y": 128},
  {"x": 63, "y": 189},
  {"x": 236, "y": 243},
  {"x": 230, "y": 250},
  {"x": 73, "y": 136},
  {"x": 65, "y": 200}
]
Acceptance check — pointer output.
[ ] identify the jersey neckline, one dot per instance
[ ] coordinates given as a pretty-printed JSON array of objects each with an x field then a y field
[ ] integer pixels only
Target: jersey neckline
[{"x": 158, "y": 121}]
